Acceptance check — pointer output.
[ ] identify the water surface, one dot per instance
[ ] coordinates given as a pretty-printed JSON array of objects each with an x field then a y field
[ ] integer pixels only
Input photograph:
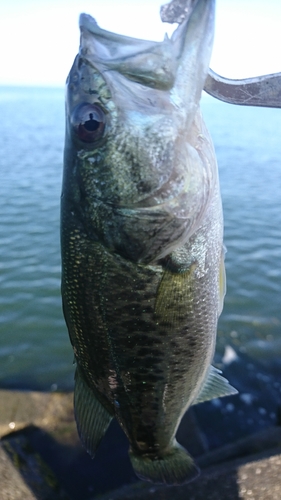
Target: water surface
[{"x": 35, "y": 352}]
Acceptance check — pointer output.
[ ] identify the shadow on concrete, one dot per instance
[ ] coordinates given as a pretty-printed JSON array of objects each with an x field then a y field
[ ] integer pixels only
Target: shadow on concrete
[
  {"x": 69, "y": 470},
  {"x": 55, "y": 471}
]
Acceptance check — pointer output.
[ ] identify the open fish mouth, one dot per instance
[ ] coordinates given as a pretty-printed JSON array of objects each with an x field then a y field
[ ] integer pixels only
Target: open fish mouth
[
  {"x": 130, "y": 54},
  {"x": 153, "y": 63}
]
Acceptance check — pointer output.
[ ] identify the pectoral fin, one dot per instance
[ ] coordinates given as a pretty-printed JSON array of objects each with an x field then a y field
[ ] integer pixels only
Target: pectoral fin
[
  {"x": 92, "y": 419},
  {"x": 215, "y": 386}
]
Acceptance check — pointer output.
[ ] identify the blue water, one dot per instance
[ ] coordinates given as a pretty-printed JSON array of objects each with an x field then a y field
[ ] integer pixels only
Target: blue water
[
  {"x": 35, "y": 352},
  {"x": 34, "y": 346}
]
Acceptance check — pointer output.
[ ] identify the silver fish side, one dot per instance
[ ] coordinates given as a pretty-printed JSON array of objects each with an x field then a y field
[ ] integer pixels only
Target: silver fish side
[{"x": 142, "y": 239}]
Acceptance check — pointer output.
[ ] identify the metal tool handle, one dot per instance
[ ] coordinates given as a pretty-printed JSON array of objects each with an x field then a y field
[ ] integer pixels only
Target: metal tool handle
[{"x": 259, "y": 91}]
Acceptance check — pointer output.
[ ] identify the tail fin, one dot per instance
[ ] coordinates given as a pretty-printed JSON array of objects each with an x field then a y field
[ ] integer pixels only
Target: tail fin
[{"x": 175, "y": 467}]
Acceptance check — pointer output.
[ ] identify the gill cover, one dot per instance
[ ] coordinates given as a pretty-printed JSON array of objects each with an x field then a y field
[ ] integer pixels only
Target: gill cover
[{"x": 151, "y": 189}]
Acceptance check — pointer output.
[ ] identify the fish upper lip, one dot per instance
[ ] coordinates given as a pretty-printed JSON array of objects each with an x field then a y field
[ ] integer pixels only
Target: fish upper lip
[{"x": 89, "y": 22}]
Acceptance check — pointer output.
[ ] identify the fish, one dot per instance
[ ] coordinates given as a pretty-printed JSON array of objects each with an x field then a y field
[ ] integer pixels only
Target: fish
[{"x": 143, "y": 277}]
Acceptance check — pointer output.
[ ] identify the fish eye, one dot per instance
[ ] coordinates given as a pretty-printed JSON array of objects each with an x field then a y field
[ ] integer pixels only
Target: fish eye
[{"x": 89, "y": 122}]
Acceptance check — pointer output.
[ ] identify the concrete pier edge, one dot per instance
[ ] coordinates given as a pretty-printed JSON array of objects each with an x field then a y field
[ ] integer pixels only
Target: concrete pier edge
[{"x": 40, "y": 449}]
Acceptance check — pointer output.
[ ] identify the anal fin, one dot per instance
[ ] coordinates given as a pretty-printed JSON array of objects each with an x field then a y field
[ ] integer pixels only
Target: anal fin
[
  {"x": 215, "y": 386},
  {"x": 92, "y": 419}
]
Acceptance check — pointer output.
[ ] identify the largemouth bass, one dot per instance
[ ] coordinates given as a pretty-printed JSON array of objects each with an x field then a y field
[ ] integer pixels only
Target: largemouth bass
[{"x": 142, "y": 250}]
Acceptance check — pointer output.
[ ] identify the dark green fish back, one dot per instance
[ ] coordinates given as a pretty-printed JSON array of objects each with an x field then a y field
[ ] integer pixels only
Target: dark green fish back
[
  {"x": 139, "y": 332},
  {"x": 142, "y": 254}
]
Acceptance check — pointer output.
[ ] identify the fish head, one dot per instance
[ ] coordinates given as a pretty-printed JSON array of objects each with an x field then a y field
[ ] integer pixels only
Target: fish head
[{"x": 130, "y": 153}]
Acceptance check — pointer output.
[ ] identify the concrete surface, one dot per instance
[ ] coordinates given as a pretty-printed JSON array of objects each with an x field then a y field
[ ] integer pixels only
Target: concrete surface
[
  {"x": 41, "y": 458},
  {"x": 51, "y": 411},
  {"x": 252, "y": 479},
  {"x": 23, "y": 473}
]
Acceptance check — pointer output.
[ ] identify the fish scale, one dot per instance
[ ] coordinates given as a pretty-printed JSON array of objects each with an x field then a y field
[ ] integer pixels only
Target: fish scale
[{"x": 141, "y": 240}]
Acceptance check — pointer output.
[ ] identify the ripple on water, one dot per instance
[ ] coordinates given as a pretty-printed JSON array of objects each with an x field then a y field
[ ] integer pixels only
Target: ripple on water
[{"x": 34, "y": 345}]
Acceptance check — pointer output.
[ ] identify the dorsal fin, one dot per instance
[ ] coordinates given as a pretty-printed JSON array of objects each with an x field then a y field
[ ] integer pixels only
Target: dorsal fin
[{"x": 91, "y": 417}]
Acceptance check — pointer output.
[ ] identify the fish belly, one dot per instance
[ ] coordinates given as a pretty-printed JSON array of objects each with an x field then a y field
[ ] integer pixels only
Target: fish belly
[{"x": 143, "y": 337}]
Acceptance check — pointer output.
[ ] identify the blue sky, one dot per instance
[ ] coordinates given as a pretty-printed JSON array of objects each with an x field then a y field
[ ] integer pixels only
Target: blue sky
[{"x": 39, "y": 38}]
